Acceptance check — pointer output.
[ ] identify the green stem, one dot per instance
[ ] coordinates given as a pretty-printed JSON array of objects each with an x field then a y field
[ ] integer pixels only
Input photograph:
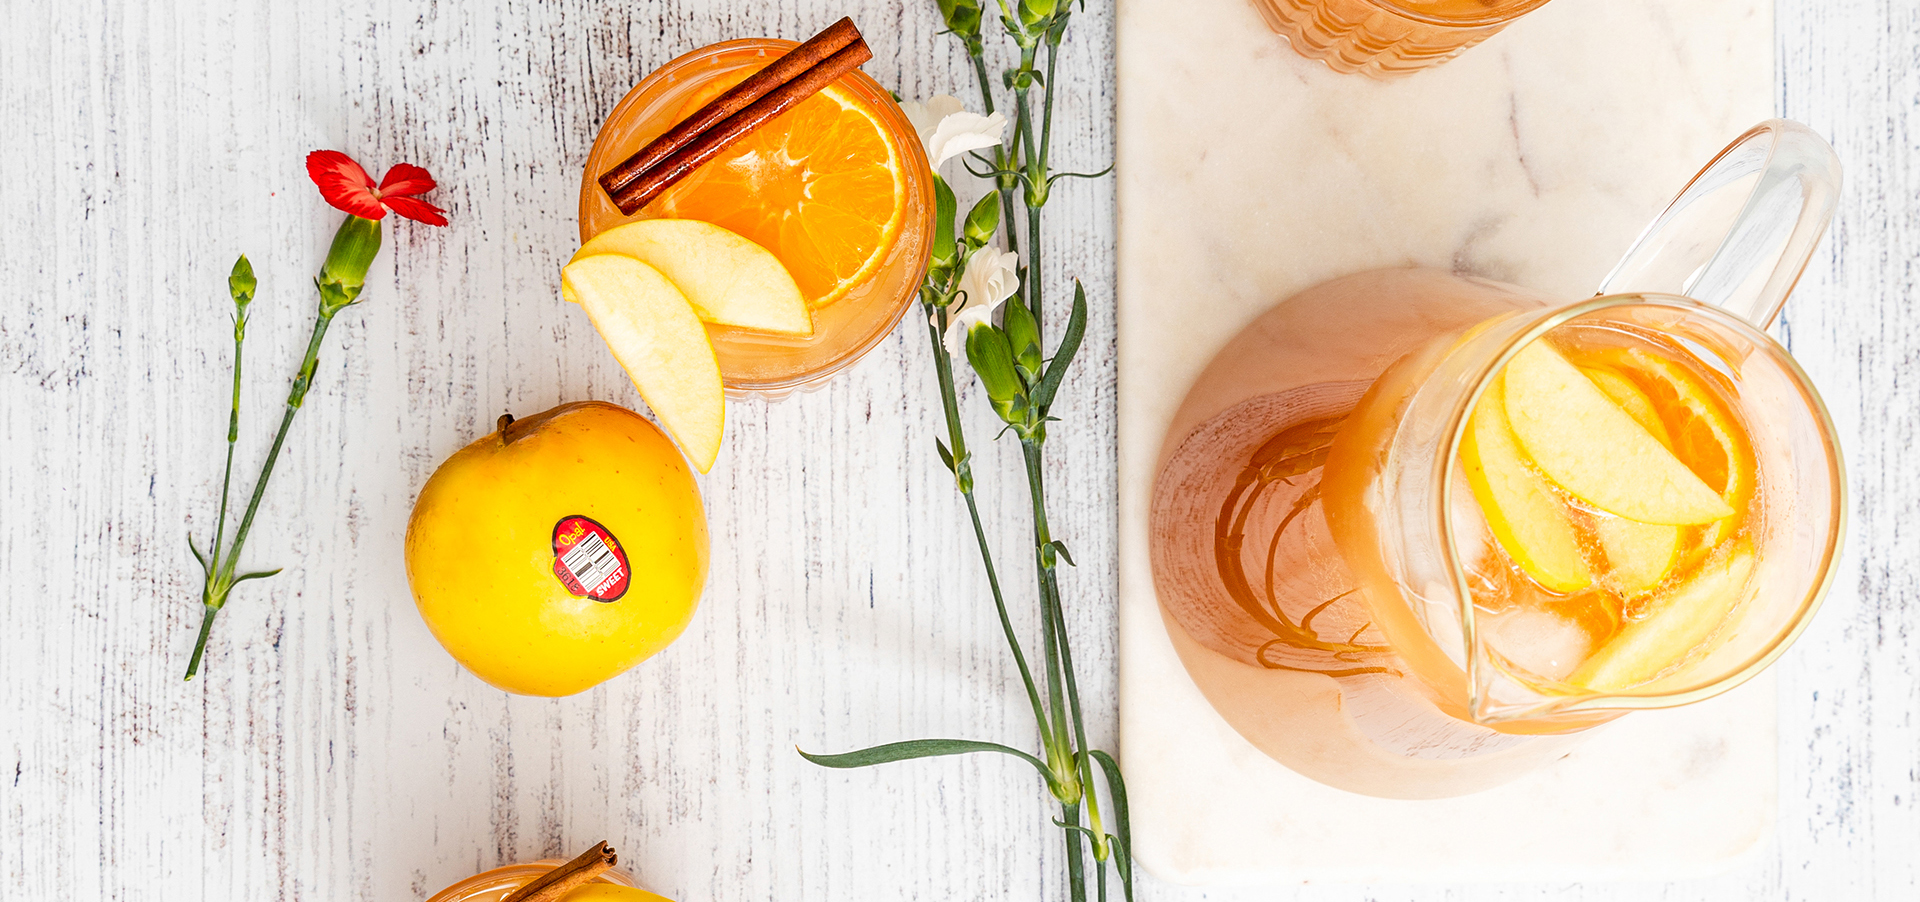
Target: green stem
[
  {"x": 1006, "y": 626},
  {"x": 943, "y": 368},
  {"x": 1076, "y": 868},
  {"x": 1083, "y": 764},
  {"x": 1023, "y": 138},
  {"x": 200, "y": 646},
  {"x": 1056, "y": 753},
  {"x": 1003, "y": 184},
  {"x": 295, "y": 397},
  {"x": 221, "y": 580},
  {"x": 233, "y": 437},
  {"x": 1046, "y": 110},
  {"x": 1033, "y": 270},
  {"x": 1053, "y": 607}
]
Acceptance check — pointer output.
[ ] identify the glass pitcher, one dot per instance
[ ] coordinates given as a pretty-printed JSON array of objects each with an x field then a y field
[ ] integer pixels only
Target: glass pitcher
[{"x": 1325, "y": 551}]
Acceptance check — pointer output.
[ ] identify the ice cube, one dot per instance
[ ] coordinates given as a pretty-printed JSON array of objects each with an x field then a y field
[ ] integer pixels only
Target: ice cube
[{"x": 1540, "y": 641}]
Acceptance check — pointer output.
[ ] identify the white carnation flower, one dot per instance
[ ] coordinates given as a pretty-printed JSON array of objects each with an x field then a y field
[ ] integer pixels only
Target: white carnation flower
[
  {"x": 948, "y": 130},
  {"x": 991, "y": 276}
]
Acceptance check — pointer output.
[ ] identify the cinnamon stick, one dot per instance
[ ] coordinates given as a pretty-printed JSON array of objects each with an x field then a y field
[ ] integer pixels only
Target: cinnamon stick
[
  {"x": 671, "y": 166},
  {"x": 554, "y": 885},
  {"x": 836, "y": 37}
]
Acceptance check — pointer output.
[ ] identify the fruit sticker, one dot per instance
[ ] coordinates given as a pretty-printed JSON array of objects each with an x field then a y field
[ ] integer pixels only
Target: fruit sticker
[{"x": 589, "y": 560}]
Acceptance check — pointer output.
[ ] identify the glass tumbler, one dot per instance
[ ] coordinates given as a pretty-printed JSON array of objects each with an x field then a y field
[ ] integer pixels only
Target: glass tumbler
[
  {"x": 761, "y": 363},
  {"x": 1388, "y": 38},
  {"x": 494, "y": 885}
]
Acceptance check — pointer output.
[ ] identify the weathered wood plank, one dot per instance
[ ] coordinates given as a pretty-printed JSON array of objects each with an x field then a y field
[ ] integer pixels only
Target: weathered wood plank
[{"x": 333, "y": 751}]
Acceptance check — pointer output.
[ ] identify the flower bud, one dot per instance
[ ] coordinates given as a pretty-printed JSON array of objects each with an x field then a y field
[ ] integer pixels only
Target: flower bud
[
  {"x": 1033, "y": 11},
  {"x": 943, "y": 255},
  {"x": 345, "y": 272},
  {"x": 1023, "y": 337},
  {"x": 962, "y": 16},
  {"x": 992, "y": 359},
  {"x": 241, "y": 283},
  {"x": 983, "y": 220}
]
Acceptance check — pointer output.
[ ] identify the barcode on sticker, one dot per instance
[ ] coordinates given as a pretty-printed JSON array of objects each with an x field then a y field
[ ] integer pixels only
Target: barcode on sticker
[{"x": 591, "y": 562}]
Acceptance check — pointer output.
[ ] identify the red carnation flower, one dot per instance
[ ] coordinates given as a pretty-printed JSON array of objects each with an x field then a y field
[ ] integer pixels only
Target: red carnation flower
[{"x": 347, "y": 186}]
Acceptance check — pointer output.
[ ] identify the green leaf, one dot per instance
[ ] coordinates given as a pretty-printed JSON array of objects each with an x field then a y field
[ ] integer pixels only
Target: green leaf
[
  {"x": 1063, "y": 355},
  {"x": 196, "y": 552},
  {"x": 1059, "y": 29},
  {"x": 1061, "y": 547},
  {"x": 335, "y": 296},
  {"x": 920, "y": 748},
  {"x": 1079, "y": 175},
  {"x": 1098, "y": 839},
  {"x": 1123, "y": 863},
  {"x": 261, "y": 574},
  {"x": 946, "y": 457},
  {"x": 1123, "y": 827}
]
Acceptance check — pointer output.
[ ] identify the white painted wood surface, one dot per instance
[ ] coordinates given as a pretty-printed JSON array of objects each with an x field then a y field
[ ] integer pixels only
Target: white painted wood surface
[{"x": 334, "y": 752}]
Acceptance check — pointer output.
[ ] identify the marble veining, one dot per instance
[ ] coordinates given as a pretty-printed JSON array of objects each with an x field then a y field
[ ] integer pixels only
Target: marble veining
[{"x": 1248, "y": 173}]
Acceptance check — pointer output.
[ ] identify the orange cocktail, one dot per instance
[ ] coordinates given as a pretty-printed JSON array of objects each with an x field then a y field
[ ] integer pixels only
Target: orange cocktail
[
  {"x": 836, "y": 188},
  {"x": 497, "y": 884}
]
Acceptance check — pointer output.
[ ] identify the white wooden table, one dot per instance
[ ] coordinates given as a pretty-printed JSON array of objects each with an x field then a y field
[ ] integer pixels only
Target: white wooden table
[{"x": 333, "y": 751}]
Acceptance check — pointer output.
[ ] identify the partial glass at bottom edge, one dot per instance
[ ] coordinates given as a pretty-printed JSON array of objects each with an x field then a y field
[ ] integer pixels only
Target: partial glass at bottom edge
[{"x": 494, "y": 885}]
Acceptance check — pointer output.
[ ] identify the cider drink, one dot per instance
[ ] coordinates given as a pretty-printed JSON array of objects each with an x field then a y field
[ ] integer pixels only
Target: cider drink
[
  {"x": 1628, "y": 579},
  {"x": 499, "y": 883},
  {"x": 1417, "y": 559},
  {"x": 835, "y": 187},
  {"x": 1388, "y": 38}
]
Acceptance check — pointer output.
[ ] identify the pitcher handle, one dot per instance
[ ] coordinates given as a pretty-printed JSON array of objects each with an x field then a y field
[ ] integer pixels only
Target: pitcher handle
[{"x": 1783, "y": 180}]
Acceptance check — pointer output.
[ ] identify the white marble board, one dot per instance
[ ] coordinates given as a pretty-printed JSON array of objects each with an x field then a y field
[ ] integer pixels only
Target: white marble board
[{"x": 1248, "y": 173}]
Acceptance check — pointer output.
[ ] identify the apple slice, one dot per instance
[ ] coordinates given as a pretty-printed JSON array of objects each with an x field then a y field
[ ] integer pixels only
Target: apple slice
[
  {"x": 1639, "y": 555},
  {"x": 1677, "y": 624},
  {"x": 655, "y": 336},
  {"x": 1592, "y": 448},
  {"x": 1526, "y": 518},
  {"x": 1631, "y": 399},
  {"x": 1706, "y": 434},
  {"x": 729, "y": 280}
]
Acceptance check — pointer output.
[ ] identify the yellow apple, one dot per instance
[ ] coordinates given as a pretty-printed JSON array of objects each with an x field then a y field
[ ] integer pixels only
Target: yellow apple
[
  {"x": 729, "y": 280},
  {"x": 1705, "y": 432},
  {"x": 1677, "y": 624},
  {"x": 560, "y": 551},
  {"x": 1521, "y": 510},
  {"x": 1621, "y": 390},
  {"x": 1589, "y": 446},
  {"x": 655, "y": 336},
  {"x": 1639, "y": 555}
]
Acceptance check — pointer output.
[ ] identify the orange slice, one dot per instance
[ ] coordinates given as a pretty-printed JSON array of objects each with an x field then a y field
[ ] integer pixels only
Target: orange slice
[{"x": 823, "y": 186}]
